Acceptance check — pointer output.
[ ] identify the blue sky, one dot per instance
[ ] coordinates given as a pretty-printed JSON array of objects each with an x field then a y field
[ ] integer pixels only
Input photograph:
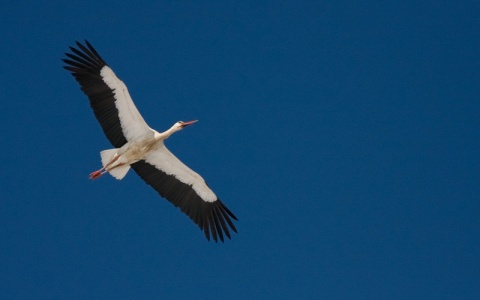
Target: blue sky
[{"x": 343, "y": 134}]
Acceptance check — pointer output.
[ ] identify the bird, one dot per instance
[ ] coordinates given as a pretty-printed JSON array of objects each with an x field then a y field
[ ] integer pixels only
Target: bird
[{"x": 142, "y": 148}]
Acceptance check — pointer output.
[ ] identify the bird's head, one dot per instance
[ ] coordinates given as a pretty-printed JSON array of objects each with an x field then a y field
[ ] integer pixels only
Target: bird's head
[{"x": 180, "y": 124}]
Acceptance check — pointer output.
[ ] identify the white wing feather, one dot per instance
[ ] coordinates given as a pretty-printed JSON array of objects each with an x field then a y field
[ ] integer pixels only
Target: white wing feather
[
  {"x": 132, "y": 122},
  {"x": 165, "y": 161}
]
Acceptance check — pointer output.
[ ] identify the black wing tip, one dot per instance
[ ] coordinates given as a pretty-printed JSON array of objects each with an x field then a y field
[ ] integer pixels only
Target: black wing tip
[
  {"x": 88, "y": 44},
  {"x": 215, "y": 223},
  {"x": 80, "y": 45},
  {"x": 85, "y": 54},
  {"x": 228, "y": 211},
  {"x": 212, "y": 217}
]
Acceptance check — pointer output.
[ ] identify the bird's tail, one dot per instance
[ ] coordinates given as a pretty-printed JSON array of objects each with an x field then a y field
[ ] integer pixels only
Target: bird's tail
[{"x": 112, "y": 165}]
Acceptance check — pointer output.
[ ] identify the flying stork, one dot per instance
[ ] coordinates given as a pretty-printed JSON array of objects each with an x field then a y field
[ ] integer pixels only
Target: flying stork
[{"x": 141, "y": 147}]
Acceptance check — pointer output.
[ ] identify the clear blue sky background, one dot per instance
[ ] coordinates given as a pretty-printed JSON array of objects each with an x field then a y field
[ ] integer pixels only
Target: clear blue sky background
[{"x": 343, "y": 134}]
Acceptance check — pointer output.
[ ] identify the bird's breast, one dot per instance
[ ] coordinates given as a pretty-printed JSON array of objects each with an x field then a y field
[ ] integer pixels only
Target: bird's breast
[{"x": 137, "y": 150}]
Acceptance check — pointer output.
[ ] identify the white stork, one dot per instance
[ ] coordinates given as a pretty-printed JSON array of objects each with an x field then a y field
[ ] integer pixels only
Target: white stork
[{"x": 141, "y": 147}]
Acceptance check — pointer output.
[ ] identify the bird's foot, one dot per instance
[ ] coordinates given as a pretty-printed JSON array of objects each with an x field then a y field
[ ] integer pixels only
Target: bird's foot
[{"x": 96, "y": 174}]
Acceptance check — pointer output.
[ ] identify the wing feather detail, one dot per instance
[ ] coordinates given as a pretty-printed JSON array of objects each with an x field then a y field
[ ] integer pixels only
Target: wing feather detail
[
  {"x": 109, "y": 97},
  {"x": 187, "y": 190}
]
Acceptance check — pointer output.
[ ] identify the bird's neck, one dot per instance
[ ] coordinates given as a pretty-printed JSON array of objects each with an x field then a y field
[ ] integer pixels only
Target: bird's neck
[{"x": 166, "y": 134}]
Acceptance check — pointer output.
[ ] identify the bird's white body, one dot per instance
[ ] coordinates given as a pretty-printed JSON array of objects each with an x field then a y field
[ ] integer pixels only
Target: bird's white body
[
  {"x": 142, "y": 148},
  {"x": 150, "y": 147},
  {"x": 117, "y": 161}
]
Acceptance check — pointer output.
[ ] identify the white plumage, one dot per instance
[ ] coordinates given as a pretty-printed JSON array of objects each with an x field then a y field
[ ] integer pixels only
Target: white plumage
[{"x": 142, "y": 148}]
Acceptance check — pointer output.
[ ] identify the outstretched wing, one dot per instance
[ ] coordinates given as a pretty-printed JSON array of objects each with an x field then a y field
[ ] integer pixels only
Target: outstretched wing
[
  {"x": 187, "y": 190},
  {"x": 109, "y": 98}
]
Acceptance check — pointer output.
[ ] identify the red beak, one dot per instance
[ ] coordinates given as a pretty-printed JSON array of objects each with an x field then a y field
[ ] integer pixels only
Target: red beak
[{"x": 189, "y": 123}]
